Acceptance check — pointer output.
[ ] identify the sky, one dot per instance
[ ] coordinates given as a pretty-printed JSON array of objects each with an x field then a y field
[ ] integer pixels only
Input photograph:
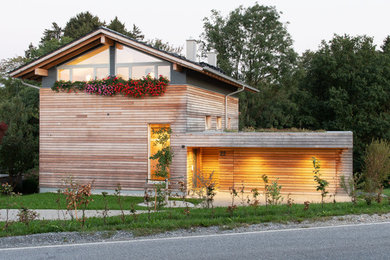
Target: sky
[{"x": 310, "y": 21}]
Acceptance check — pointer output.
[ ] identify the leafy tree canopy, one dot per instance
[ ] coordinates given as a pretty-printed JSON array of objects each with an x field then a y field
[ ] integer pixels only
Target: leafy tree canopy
[
  {"x": 254, "y": 46},
  {"x": 120, "y": 27},
  {"x": 347, "y": 87},
  {"x": 81, "y": 24}
]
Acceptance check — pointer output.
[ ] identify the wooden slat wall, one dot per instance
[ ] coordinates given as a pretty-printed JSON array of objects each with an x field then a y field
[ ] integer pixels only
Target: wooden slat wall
[
  {"x": 105, "y": 139},
  {"x": 293, "y": 167},
  {"x": 202, "y": 103},
  {"x": 269, "y": 139}
]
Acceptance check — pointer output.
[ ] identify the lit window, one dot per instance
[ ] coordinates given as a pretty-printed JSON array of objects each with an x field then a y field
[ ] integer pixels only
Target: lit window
[
  {"x": 219, "y": 123},
  {"x": 122, "y": 72},
  {"x": 135, "y": 64},
  {"x": 155, "y": 130},
  {"x": 208, "y": 122},
  {"x": 82, "y": 74},
  {"x": 92, "y": 65},
  {"x": 138, "y": 72},
  {"x": 64, "y": 74}
]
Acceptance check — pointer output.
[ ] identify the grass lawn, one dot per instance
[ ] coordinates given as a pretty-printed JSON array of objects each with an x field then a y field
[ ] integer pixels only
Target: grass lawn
[
  {"x": 171, "y": 219},
  {"x": 49, "y": 201}
]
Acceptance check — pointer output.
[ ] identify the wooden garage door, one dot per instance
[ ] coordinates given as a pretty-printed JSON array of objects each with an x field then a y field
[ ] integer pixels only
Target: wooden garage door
[{"x": 292, "y": 166}]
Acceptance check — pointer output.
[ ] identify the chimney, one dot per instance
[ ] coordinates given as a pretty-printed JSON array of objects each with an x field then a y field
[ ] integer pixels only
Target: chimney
[
  {"x": 212, "y": 58},
  {"x": 191, "y": 49}
]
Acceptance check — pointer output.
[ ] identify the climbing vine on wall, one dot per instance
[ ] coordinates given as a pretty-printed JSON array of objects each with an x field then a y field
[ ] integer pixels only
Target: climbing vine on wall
[{"x": 147, "y": 86}]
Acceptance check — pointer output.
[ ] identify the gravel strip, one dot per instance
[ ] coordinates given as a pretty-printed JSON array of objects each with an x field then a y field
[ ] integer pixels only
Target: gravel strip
[{"x": 88, "y": 237}]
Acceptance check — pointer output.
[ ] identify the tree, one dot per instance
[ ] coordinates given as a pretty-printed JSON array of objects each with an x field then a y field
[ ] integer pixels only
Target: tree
[
  {"x": 3, "y": 130},
  {"x": 120, "y": 27},
  {"x": 254, "y": 46},
  {"x": 45, "y": 47},
  {"x": 81, "y": 24},
  {"x": 55, "y": 32},
  {"x": 165, "y": 46},
  {"x": 346, "y": 87},
  {"x": 19, "y": 110}
]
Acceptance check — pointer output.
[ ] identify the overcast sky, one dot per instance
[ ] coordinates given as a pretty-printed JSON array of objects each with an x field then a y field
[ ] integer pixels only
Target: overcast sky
[{"x": 311, "y": 21}]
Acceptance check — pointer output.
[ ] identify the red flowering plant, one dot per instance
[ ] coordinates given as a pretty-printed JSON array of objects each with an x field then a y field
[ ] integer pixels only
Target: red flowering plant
[{"x": 147, "y": 86}]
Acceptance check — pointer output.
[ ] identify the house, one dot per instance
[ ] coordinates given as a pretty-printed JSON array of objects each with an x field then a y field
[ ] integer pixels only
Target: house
[{"x": 109, "y": 139}]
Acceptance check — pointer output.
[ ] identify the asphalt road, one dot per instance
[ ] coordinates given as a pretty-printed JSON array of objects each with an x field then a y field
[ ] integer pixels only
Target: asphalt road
[{"x": 365, "y": 241}]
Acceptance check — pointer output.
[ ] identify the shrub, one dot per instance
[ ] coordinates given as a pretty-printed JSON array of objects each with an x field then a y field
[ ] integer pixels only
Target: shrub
[
  {"x": 350, "y": 185},
  {"x": 207, "y": 189},
  {"x": 376, "y": 168},
  {"x": 274, "y": 191},
  {"x": 26, "y": 215},
  {"x": 321, "y": 183},
  {"x": 271, "y": 192},
  {"x": 77, "y": 196},
  {"x": 6, "y": 189}
]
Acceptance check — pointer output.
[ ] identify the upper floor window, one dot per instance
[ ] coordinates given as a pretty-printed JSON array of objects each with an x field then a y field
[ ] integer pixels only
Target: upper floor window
[
  {"x": 219, "y": 123},
  {"x": 92, "y": 65},
  {"x": 208, "y": 122},
  {"x": 133, "y": 64}
]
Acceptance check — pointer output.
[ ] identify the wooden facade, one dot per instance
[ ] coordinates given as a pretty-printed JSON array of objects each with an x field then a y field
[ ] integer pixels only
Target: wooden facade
[{"x": 105, "y": 139}]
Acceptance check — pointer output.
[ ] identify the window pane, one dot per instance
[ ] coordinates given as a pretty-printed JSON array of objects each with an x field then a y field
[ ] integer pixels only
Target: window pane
[
  {"x": 82, "y": 74},
  {"x": 101, "y": 73},
  {"x": 122, "y": 72},
  {"x": 219, "y": 123},
  {"x": 138, "y": 72},
  {"x": 208, "y": 122},
  {"x": 64, "y": 75},
  {"x": 154, "y": 148},
  {"x": 128, "y": 55},
  {"x": 164, "y": 71},
  {"x": 98, "y": 56}
]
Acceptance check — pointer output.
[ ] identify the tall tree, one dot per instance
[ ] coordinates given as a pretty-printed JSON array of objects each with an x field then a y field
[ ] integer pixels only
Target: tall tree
[
  {"x": 254, "y": 46},
  {"x": 120, "y": 27},
  {"x": 347, "y": 87},
  {"x": 81, "y": 24},
  {"x": 19, "y": 111},
  {"x": 55, "y": 32}
]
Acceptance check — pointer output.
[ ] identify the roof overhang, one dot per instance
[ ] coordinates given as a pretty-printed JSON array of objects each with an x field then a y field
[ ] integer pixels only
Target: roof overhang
[{"x": 38, "y": 68}]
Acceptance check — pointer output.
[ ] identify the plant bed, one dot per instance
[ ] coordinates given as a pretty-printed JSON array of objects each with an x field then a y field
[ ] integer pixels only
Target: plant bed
[{"x": 172, "y": 219}]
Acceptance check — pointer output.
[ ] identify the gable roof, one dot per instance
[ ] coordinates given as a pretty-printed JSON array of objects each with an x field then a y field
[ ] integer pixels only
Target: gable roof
[{"x": 37, "y": 68}]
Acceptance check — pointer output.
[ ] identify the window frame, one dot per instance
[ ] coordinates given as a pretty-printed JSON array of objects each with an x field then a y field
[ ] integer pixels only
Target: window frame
[
  {"x": 150, "y": 181},
  {"x": 94, "y": 67},
  {"x": 130, "y": 65}
]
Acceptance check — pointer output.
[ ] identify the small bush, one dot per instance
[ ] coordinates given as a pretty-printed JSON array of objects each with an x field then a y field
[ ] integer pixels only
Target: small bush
[
  {"x": 6, "y": 189},
  {"x": 322, "y": 184},
  {"x": 26, "y": 215},
  {"x": 376, "y": 169}
]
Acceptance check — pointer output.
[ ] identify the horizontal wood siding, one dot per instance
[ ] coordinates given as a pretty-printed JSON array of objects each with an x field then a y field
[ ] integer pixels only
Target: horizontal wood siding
[
  {"x": 292, "y": 167},
  {"x": 202, "y": 103},
  {"x": 105, "y": 139},
  {"x": 269, "y": 139}
]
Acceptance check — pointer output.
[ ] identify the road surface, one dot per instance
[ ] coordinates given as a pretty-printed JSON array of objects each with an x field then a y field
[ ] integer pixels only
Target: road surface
[{"x": 364, "y": 241}]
